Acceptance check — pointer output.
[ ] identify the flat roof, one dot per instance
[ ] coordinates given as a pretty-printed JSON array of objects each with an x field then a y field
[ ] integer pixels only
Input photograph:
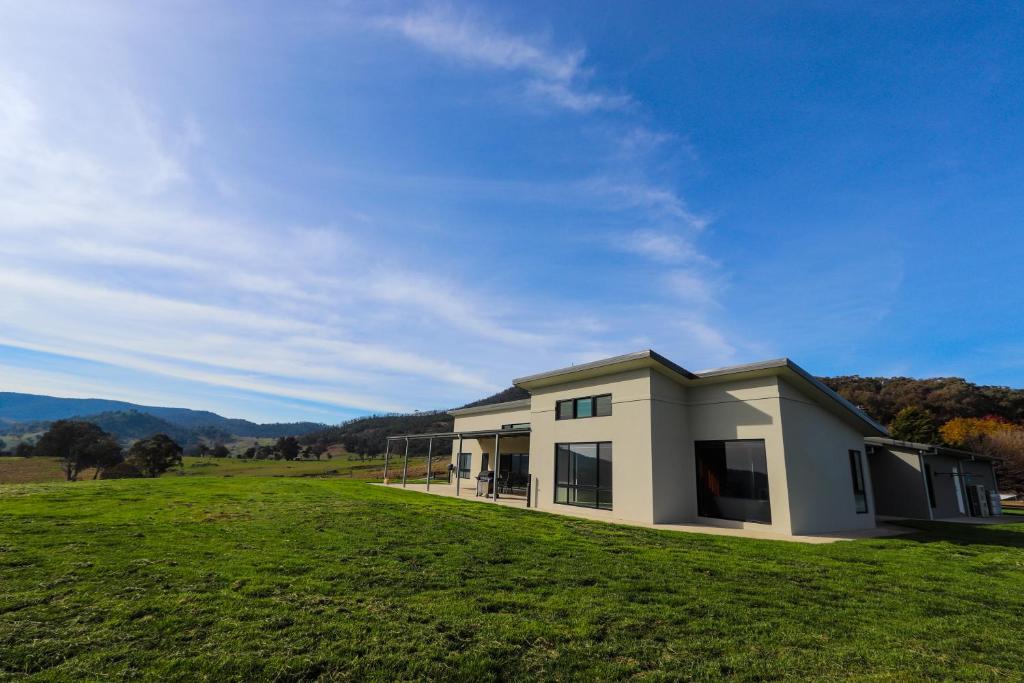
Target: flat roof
[
  {"x": 650, "y": 358},
  {"x": 645, "y": 357},
  {"x": 492, "y": 407},
  {"x": 930, "y": 447}
]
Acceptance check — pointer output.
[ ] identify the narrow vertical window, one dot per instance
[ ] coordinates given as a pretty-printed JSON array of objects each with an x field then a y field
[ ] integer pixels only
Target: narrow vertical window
[
  {"x": 465, "y": 464},
  {"x": 563, "y": 410},
  {"x": 860, "y": 495},
  {"x": 603, "y": 405},
  {"x": 928, "y": 484}
]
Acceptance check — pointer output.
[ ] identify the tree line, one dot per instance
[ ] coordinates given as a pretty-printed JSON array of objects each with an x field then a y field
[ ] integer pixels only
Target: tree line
[{"x": 79, "y": 446}]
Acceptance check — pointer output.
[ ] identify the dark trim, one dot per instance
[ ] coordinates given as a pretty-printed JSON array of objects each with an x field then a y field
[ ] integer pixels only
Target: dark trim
[
  {"x": 597, "y": 488},
  {"x": 859, "y": 484},
  {"x": 575, "y": 405}
]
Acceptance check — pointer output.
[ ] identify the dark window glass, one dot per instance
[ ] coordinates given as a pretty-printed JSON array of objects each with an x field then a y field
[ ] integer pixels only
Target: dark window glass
[
  {"x": 583, "y": 474},
  {"x": 929, "y": 485},
  {"x": 732, "y": 480},
  {"x": 515, "y": 469},
  {"x": 465, "y": 464},
  {"x": 564, "y": 410},
  {"x": 603, "y": 405},
  {"x": 584, "y": 407},
  {"x": 860, "y": 495},
  {"x": 516, "y": 425}
]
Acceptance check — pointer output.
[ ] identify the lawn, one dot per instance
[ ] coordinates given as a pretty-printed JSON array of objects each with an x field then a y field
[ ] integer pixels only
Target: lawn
[
  {"x": 31, "y": 470},
  {"x": 292, "y": 578}
]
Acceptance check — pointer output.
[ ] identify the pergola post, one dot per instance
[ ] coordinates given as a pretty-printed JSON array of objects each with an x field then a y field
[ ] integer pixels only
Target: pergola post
[
  {"x": 497, "y": 463},
  {"x": 405, "y": 467},
  {"x": 458, "y": 468},
  {"x": 430, "y": 452},
  {"x": 387, "y": 453}
]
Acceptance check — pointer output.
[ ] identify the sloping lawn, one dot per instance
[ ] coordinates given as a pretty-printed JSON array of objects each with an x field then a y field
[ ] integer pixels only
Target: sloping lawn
[{"x": 284, "y": 579}]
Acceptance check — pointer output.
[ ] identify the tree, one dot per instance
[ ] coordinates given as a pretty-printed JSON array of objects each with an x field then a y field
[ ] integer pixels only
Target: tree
[
  {"x": 971, "y": 432},
  {"x": 79, "y": 446},
  {"x": 249, "y": 453},
  {"x": 220, "y": 451},
  {"x": 24, "y": 450},
  {"x": 3, "y": 445},
  {"x": 202, "y": 450},
  {"x": 288, "y": 447},
  {"x": 914, "y": 423},
  {"x": 1009, "y": 445},
  {"x": 155, "y": 455}
]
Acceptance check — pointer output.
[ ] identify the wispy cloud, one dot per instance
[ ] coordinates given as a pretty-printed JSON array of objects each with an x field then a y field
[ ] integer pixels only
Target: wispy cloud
[{"x": 556, "y": 76}]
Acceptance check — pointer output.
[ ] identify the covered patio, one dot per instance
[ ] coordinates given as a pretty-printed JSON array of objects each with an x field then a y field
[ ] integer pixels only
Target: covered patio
[{"x": 507, "y": 477}]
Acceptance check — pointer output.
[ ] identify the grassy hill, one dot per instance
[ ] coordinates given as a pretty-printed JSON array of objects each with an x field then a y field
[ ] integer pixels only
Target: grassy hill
[{"x": 296, "y": 578}]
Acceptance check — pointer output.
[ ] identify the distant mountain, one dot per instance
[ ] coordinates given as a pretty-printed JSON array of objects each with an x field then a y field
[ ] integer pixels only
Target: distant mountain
[
  {"x": 21, "y": 408},
  {"x": 129, "y": 425}
]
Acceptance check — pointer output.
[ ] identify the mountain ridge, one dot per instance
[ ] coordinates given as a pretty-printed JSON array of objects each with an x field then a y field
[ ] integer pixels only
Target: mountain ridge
[{"x": 20, "y": 407}]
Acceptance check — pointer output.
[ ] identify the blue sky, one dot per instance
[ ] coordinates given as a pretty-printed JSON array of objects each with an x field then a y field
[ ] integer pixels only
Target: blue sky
[{"x": 289, "y": 211}]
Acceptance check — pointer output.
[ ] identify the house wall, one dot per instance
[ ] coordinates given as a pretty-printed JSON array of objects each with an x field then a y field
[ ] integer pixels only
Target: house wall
[
  {"x": 945, "y": 485},
  {"x": 674, "y": 474},
  {"x": 477, "y": 447},
  {"x": 628, "y": 428},
  {"x": 898, "y": 486},
  {"x": 742, "y": 409},
  {"x": 817, "y": 454}
]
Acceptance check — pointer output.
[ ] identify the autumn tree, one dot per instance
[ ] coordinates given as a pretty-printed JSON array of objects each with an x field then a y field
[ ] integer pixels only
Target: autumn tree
[
  {"x": 972, "y": 432},
  {"x": 155, "y": 455},
  {"x": 914, "y": 423}
]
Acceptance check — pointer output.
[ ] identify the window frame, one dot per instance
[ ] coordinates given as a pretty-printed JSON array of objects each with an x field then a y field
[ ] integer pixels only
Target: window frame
[
  {"x": 575, "y": 407},
  {"x": 859, "y": 481},
  {"x": 516, "y": 425},
  {"x": 597, "y": 488},
  {"x": 467, "y": 472},
  {"x": 724, "y": 443},
  {"x": 929, "y": 485}
]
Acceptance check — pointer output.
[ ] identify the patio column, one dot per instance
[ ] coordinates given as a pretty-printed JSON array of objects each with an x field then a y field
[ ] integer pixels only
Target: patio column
[
  {"x": 405, "y": 467},
  {"x": 387, "y": 452},
  {"x": 497, "y": 462},
  {"x": 430, "y": 451},
  {"x": 458, "y": 464}
]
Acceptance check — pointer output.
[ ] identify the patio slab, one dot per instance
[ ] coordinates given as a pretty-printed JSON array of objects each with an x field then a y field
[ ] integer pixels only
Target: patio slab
[{"x": 448, "y": 491}]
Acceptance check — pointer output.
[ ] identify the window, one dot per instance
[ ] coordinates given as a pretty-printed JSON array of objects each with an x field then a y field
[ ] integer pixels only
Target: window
[
  {"x": 516, "y": 425},
  {"x": 583, "y": 474},
  {"x": 584, "y": 407},
  {"x": 587, "y": 406},
  {"x": 465, "y": 465},
  {"x": 860, "y": 495},
  {"x": 929, "y": 485},
  {"x": 515, "y": 469},
  {"x": 732, "y": 480}
]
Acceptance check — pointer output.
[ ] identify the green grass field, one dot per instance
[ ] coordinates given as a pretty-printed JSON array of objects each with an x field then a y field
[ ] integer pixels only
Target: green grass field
[
  {"x": 35, "y": 470},
  {"x": 296, "y": 578}
]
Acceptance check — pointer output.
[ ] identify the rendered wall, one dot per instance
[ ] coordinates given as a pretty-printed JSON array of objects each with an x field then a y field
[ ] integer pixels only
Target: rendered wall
[
  {"x": 742, "y": 409},
  {"x": 628, "y": 428},
  {"x": 477, "y": 447},
  {"x": 818, "y": 442},
  {"x": 898, "y": 486}
]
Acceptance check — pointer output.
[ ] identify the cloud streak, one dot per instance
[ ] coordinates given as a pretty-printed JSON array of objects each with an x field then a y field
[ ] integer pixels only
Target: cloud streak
[{"x": 558, "y": 77}]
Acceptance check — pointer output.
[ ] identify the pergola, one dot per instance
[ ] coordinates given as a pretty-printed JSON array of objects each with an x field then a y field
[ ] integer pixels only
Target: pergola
[{"x": 475, "y": 434}]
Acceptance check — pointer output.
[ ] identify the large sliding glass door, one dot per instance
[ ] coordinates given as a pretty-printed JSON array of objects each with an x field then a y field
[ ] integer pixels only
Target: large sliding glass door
[
  {"x": 583, "y": 474},
  {"x": 732, "y": 480}
]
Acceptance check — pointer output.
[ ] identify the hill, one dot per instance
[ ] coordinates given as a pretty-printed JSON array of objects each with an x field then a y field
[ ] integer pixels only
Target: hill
[
  {"x": 21, "y": 408},
  {"x": 944, "y": 397}
]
